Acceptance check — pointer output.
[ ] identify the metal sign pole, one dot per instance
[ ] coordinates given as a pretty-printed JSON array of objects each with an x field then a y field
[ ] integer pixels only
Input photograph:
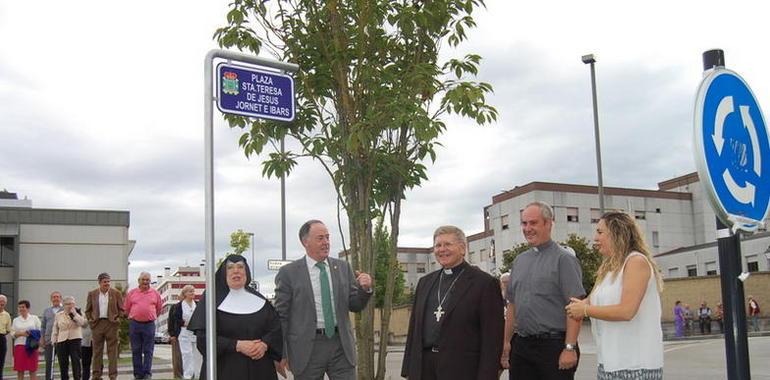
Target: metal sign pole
[
  {"x": 729, "y": 244},
  {"x": 283, "y": 210},
  {"x": 208, "y": 116}
]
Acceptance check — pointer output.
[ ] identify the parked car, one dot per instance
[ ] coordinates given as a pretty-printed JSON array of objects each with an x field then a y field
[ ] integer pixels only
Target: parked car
[{"x": 161, "y": 338}]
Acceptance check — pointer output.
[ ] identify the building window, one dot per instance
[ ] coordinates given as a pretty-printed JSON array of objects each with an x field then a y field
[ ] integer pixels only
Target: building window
[
  {"x": 504, "y": 221},
  {"x": 639, "y": 215},
  {"x": 752, "y": 264},
  {"x": 673, "y": 272},
  {"x": 7, "y": 254},
  {"x": 655, "y": 239},
  {"x": 8, "y": 288},
  {"x": 471, "y": 257},
  {"x": 572, "y": 214},
  {"x": 711, "y": 268},
  {"x": 420, "y": 267},
  {"x": 482, "y": 254},
  {"x": 692, "y": 271},
  {"x": 596, "y": 214},
  {"x": 404, "y": 267},
  {"x": 657, "y": 210}
]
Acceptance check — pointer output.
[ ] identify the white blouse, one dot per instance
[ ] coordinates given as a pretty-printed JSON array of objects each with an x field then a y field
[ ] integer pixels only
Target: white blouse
[
  {"x": 187, "y": 311},
  {"x": 32, "y": 322},
  {"x": 634, "y": 344}
]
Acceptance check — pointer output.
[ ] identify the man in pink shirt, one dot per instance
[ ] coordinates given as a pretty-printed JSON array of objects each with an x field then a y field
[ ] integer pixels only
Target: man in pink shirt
[{"x": 142, "y": 305}]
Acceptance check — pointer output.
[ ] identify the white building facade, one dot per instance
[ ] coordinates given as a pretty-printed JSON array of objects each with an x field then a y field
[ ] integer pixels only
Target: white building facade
[{"x": 676, "y": 219}]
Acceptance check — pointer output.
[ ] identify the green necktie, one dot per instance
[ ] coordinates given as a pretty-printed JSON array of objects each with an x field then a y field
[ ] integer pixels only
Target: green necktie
[{"x": 326, "y": 301}]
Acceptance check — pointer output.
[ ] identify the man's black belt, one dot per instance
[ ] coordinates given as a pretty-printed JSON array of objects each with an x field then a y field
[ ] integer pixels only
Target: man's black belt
[
  {"x": 546, "y": 335},
  {"x": 433, "y": 348},
  {"x": 322, "y": 331},
  {"x": 142, "y": 322}
]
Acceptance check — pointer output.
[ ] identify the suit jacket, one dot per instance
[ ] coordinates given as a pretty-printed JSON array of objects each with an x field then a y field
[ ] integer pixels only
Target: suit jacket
[
  {"x": 48, "y": 321},
  {"x": 295, "y": 305},
  {"x": 175, "y": 320},
  {"x": 114, "y": 306},
  {"x": 471, "y": 339}
]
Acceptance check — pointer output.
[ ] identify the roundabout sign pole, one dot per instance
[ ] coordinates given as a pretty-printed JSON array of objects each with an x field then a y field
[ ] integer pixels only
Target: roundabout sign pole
[{"x": 732, "y": 154}]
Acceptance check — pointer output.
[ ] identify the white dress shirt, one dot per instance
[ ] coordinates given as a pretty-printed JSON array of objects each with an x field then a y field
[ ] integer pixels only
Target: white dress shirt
[
  {"x": 104, "y": 301},
  {"x": 315, "y": 280}
]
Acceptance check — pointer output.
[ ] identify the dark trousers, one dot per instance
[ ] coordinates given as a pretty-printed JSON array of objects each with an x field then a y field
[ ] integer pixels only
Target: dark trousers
[
  {"x": 69, "y": 351},
  {"x": 705, "y": 325},
  {"x": 3, "y": 352},
  {"x": 176, "y": 359},
  {"x": 142, "y": 336},
  {"x": 48, "y": 354},
  {"x": 538, "y": 359},
  {"x": 85, "y": 356}
]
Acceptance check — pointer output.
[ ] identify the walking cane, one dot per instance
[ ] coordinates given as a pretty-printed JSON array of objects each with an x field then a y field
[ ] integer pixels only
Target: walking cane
[{"x": 53, "y": 359}]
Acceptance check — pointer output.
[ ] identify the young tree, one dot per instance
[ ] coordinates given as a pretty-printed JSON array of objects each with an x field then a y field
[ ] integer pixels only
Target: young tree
[
  {"x": 385, "y": 266},
  {"x": 371, "y": 94},
  {"x": 510, "y": 255},
  {"x": 240, "y": 241},
  {"x": 589, "y": 258},
  {"x": 587, "y": 255}
]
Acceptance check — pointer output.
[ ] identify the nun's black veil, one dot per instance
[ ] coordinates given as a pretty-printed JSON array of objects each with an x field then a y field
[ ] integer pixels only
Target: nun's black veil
[{"x": 198, "y": 319}]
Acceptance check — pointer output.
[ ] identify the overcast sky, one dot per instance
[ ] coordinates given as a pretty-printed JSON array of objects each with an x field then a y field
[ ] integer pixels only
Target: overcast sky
[{"x": 101, "y": 108}]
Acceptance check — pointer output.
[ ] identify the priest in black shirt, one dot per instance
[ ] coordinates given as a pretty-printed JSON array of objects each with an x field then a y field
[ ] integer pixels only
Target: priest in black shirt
[{"x": 456, "y": 321}]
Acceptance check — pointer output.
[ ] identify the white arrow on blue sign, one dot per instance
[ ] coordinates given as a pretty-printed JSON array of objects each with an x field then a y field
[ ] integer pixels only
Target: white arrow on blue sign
[
  {"x": 732, "y": 149},
  {"x": 254, "y": 92}
]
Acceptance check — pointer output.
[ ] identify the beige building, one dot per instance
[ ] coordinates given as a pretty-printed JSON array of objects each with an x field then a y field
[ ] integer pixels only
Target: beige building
[{"x": 42, "y": 250}]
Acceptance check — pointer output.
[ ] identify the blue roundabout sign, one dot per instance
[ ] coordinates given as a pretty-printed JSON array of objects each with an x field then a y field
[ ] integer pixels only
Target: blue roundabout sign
[{"x": 732, "y": 149}]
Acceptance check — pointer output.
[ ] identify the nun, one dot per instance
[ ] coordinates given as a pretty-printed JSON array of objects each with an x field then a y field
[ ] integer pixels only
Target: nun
[{"x": 248, "y": 337}]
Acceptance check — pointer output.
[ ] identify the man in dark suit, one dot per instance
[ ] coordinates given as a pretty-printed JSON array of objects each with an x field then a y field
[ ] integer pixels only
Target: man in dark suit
[
  {"x": 314, "y": 296},
  {"x": 457, "y": 322},
  {"x": 104, "y": 308}
]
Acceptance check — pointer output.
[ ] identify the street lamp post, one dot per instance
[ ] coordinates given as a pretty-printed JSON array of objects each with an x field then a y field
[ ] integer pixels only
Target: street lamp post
[
  {"x": 591, "y": 60},
  {"x": 253, "y": 262}
]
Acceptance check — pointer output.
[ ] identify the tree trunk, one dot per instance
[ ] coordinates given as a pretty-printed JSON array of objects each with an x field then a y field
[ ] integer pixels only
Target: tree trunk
[
  {"x": 360, "y": 226},
  {"x": 387, "y": 307}
]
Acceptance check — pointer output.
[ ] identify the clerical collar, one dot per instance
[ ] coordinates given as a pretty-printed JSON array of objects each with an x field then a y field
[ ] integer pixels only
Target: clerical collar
[
  {"x": 240, "y": 301},
  {"x": 543, "y": 246},
  {"x": 456, "y": 269}
]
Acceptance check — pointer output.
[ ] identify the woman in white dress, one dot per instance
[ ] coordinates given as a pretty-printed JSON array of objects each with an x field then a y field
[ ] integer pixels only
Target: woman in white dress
[
  {"x": 624, "y": 305},
  {"x": 190, "y": 361}
]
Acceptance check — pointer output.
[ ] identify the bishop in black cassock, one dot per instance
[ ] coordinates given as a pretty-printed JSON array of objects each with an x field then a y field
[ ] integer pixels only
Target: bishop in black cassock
[{"x": 456, "y": 325}]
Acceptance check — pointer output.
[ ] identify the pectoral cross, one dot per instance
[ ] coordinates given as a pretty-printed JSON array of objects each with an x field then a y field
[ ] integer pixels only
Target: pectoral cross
[{"x": 438, "y": 313}]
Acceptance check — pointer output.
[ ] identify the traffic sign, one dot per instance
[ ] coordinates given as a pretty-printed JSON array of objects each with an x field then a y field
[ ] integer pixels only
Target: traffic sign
[
  {"x": 254, "y": 92},
  {"x": 274, "y": 264},
  {"x": 732, "y": 149}
]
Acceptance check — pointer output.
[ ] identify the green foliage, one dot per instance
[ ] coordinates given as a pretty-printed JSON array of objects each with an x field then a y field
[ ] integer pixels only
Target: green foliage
[
  {"x": 240, "y": 241},
  {"x": 587, "y": 255},
  {"x": 589, "y": 258},
  {"x": 124, "y": 341},
  {"x": 510, "y": 254},
  {"x": 382, "y": 250}
]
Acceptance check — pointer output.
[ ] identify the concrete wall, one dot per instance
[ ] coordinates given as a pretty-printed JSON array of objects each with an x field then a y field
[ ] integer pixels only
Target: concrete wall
[
  {"x": 691, "y": 290},
  {"x": 694, "y": 290},
  {"x": 68, "y": 258}
]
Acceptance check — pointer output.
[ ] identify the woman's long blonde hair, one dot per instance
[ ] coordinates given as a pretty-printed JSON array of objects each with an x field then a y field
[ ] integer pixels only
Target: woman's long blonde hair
[{"x": 624, "y": 237}]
